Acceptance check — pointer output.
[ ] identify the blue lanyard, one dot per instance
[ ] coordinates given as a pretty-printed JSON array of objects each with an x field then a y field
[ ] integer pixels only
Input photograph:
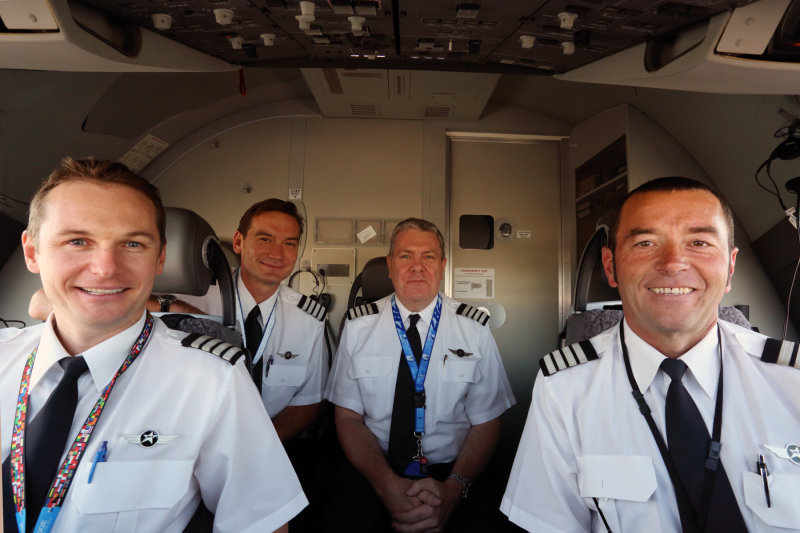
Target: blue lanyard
[
  {"x": 418, "y": 372},
  {"x": 262, "y": 346}
]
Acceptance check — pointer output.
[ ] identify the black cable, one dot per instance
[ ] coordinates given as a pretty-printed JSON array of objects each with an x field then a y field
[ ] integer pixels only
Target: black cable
[{"x": 775, "y": 192}]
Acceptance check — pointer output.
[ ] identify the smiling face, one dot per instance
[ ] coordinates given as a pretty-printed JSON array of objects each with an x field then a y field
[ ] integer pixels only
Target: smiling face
[
  {"x": 416, "y": 267},
  {"x": 672, "y": 266},
  {"x": 269, "y": 251},
  {"x": 97, "y": 251}
]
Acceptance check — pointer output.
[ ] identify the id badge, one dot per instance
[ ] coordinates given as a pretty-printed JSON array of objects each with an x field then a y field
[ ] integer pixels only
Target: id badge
[{"x": 418, "y": 468}]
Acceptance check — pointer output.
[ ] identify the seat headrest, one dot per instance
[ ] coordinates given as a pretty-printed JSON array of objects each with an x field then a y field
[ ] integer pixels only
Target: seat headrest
[
  {"x": 375, "y": 281},
  {"x": 186, "y": 270},
  {"x": 591, "y": 284}
]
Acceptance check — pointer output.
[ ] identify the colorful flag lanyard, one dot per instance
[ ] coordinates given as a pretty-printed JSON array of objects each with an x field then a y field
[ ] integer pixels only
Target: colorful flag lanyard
[
  {"x": 60, "y": 485},
  {"x": 262, "y": 346},
  {"x": 418, "y": 372}
]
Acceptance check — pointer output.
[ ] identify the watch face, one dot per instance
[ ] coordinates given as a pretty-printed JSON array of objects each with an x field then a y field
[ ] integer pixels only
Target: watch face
[{"x": 165, "y": 300}]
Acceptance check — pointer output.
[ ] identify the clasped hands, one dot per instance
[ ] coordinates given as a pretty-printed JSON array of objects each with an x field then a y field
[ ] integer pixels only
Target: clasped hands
[{"x": 421, "y": 505}]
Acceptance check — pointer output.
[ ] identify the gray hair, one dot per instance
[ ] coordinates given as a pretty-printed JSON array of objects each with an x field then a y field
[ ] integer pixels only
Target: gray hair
[{"x": 418, "y": 224}]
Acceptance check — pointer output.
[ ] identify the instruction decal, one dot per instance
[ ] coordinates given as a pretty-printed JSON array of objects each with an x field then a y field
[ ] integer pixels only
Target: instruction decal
[{"x": 473, "y": 283}]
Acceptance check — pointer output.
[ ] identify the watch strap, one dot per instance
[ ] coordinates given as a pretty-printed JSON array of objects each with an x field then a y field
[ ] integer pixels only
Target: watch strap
[{"x": 464, "y": 481}]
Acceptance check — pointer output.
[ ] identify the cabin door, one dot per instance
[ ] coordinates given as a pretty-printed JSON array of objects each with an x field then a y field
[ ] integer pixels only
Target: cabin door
[{"x": 513, "y": 186}]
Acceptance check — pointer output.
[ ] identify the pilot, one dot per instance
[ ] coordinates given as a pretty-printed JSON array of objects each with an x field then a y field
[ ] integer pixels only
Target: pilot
[
  {"x": 284, "y": 330},
  {"x": 673, "y": 420},
  {"x": 415, "y": 445},
  {"x": 109, "y": 421}
]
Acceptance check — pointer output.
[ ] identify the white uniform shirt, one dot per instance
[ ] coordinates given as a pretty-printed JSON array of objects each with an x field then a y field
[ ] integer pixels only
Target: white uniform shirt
[
  {"x": 460, "y": 391},
  {"x": 222, "y": 446},
  {"x": 296, "y": 381},
  {"x": 585, "y": 438},
  {"x": 299, "y": 380}
]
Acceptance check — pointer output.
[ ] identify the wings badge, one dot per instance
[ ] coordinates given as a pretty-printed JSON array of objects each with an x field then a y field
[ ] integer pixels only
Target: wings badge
[
  {"x": 148, "y": 438},
  {"x": 790, "y": 452}
]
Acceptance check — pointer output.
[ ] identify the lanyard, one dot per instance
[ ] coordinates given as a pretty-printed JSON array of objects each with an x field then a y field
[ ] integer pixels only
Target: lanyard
[
  {"x": 714, "y": 445},
  {"x": 418, "y": 373},
  {"x": 262, "y": 346},
  {"x": 60, "y": 485}
]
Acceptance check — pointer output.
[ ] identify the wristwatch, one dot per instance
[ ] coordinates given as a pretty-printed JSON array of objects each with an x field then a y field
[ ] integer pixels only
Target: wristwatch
[
  {"x": 165, "y": 300},
  {"x": 465, "y": 484}
]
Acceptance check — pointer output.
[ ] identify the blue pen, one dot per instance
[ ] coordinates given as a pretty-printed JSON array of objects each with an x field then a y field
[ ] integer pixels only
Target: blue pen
[
  {"x": 269, "y": 364},
  {"x": 99, "y": 457}
]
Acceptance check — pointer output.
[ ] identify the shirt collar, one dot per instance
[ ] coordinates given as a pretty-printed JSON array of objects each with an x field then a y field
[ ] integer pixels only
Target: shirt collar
[
  {"x": 247, "y": 301},
  {"x": 425, "y": 315},
  {"x": 103, "y": 359},
  {"x": 702, "y": 360}
]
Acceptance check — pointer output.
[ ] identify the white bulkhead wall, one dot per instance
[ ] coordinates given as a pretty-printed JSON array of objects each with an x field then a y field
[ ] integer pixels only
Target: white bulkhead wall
[{"x": 347, "y": 168}]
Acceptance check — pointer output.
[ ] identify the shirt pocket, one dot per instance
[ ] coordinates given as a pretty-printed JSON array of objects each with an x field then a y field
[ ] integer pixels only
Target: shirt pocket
[
  {"x": 783, "y": 490},
  {"x": 457, "y": 376},
  {"x": 285, "y": 375},
  {"x": 375, "y": 381},
  {"x": 627, "y": 481},
  {"x": 460, "y": 370},
  {"x": 122, "y": 486}
]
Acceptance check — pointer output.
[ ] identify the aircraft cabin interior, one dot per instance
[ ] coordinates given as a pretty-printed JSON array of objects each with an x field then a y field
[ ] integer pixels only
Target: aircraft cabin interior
[{"x": 514, "y": 126}]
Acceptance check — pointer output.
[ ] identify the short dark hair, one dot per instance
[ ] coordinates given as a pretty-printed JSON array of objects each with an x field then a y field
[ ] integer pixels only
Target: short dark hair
[
  {"x": 670, "y": 184},
  {"x": 418, "y": 224},
  {"x": 97, "y": 171},
  {"x": 265, "y": 206}
]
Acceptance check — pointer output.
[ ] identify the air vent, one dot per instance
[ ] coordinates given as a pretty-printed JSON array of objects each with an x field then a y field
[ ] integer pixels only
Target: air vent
[
  {"x": 438, "y": 112},
  {"x": 364, "y": 110}
]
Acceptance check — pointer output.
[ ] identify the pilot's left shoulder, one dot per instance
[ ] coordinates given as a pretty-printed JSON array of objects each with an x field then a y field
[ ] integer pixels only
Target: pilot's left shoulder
[
  {"x": 180, "y": 343},
  {"x": 765, "y": 349},
  {"x": 466, "y": 312},
  {"x": 300, "y": 304}
]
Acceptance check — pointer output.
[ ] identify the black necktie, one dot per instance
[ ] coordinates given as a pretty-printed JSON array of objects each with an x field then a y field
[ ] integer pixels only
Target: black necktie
[
  {"x": 688, "y": 440},
  {"x": 45, "y": 440},
  {"x": 253, "y": 333},
  {"x": 402, "y": 443}
]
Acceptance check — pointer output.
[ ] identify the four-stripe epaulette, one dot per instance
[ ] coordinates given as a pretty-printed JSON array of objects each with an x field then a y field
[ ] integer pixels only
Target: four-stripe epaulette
[
  {"x": 473, "y": 313},
  {"x": 213, "y": 345},
  {"x": 362, "y": 310},
  {"x": 312, "y": 307},
  {"x": 566, "y": 357},
  {"x": 781, "y": 353}
]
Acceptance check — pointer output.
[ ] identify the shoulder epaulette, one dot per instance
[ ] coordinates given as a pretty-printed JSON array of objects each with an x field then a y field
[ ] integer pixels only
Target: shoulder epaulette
[
  {"x": 473, "y": 313},
  {"x": 573, "y": 355},
  {"x": 781, "y": 353},
  {"x": 218, "y": 347},
  {"x": 312, "y": 307},
  {"x": 362, "y": 310}
]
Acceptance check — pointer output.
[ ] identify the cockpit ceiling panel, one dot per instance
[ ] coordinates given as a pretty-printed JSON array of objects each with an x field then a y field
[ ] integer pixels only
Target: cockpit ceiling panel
[{"x": 483, "y": 36}]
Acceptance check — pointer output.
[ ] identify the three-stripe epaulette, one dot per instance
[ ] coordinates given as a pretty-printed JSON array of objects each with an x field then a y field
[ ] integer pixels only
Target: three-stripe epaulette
[
  {"x": 781, "y": 353},
  {"x": 312, "y": 307},
  {"x": 218, "y": 347},
  {"x": 473, "y": 313},
  {"x": 362, "y": 310},
  {"x": 568, "y": 356}
]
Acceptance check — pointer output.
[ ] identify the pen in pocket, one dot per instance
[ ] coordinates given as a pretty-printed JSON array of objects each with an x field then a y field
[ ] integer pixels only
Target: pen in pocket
[{"x": 99, "y": 457}]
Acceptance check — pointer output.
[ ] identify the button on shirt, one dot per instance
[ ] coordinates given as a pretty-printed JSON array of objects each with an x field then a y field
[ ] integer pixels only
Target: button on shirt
[
  {"x": 200, "y": 405},
  {"x": 460, "y": 391},
  {"x": 585, "y": 437}
]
